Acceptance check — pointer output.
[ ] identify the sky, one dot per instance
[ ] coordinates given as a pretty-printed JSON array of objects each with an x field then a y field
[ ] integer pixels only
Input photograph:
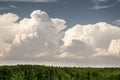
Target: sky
[{"x": 83, "y": 33}]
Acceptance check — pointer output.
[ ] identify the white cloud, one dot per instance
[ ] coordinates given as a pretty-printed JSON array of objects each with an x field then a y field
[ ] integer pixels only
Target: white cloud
[
  {"x": 114, "y": 47},
  {"x": 91, "y": 39},
  {"x": 37, "y": 35},
  {"x": 98, "y": 35},
  {"x": 8, "y": 29},
  {"x": 94, "y": 44},
  {"x": 42, "y": 40},
  {"x": 31, "y": 0}
]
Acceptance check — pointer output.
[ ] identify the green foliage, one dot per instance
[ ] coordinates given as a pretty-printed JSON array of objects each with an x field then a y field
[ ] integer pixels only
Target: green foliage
[{"x": 36, "y": 72}]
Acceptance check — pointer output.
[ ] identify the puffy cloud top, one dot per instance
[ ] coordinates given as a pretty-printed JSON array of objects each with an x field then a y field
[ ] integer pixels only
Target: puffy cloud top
[
  {"x": 44, "y": 40},
  {"x": 98, "y": 35},
  {"x": 114, "y": 47}
]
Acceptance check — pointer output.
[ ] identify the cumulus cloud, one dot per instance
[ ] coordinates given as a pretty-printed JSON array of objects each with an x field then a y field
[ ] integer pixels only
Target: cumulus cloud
[
  {"x": 44, "y": 40},
  {"x": 98, "y": 35},
  {"x": 8, "y": 29},
  {"x": 37, "y": 36},
  {"x": 114, "y": 47},
  {"x": 94, "y": 40}
]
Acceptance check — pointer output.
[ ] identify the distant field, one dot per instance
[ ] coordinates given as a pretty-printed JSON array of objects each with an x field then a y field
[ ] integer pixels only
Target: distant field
[{"x": 36, "y": 72}]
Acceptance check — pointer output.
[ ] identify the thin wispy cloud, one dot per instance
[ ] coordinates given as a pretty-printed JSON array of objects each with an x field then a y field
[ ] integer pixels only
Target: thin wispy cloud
[
  {"x": 101, "y": 7},
  {"x": 97, "y": 4},
  {"x": 102, "y": 0},
  {"x": 3, "y": 8},
  {"x": 13, "y": 6},
  {"x": 31, "y": 0},
  {"x": 7, "y": 7}
]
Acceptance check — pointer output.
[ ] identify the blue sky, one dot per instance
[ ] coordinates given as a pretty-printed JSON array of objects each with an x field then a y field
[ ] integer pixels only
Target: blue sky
[
  {"x": 73, "y": 11},
  {"x": 60, "y": 32}
]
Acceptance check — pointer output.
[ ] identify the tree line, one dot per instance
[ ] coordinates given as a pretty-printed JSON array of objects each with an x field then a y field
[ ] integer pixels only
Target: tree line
[{"x": 39, "y": 72}]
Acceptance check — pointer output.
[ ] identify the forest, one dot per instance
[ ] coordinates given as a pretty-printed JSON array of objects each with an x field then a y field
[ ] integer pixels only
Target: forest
[{"x": 40, "y": 72}]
